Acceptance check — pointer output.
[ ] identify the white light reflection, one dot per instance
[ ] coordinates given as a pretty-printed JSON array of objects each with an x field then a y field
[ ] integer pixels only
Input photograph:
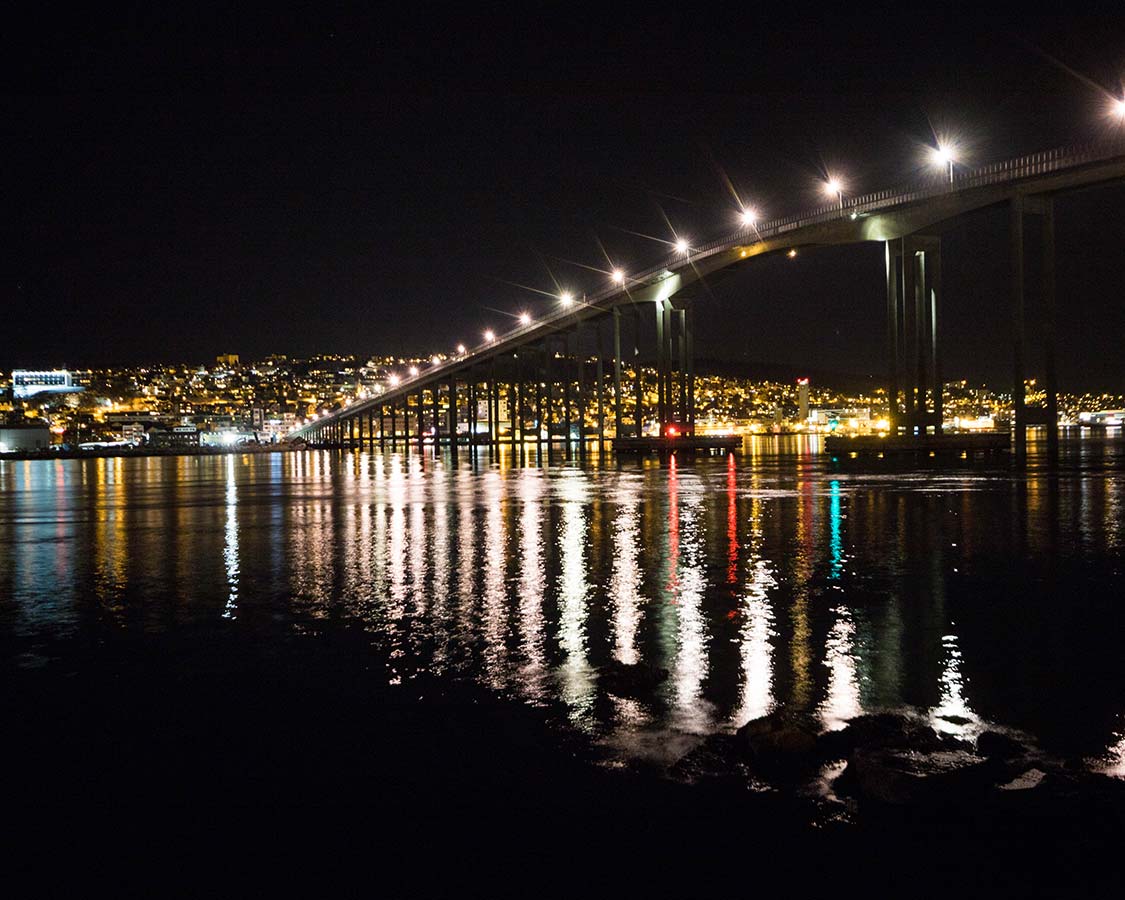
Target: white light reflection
[
  {"x": 1113, "y": 764},
  {"x": 953, "y": 715},
  {"x": 532, "y": 582},
  {"x": 757, "y": 629},
  {"x": 842, "y": 702},
  {"x": 576, "y": 676},
  {"x": 691, "y": 666},
  {"x": 626, "y": 579},
  {"x": 230, "y": 546},
  {"x": 495, "y": 588}
]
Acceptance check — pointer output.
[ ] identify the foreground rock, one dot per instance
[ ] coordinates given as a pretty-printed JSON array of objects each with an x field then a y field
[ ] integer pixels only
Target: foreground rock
[
  {"x": 897, "y": 776},
  {"x": 779, "y": 745},
  {"x": 631, "y": 680},
  {"x": 882, "y": 730}
]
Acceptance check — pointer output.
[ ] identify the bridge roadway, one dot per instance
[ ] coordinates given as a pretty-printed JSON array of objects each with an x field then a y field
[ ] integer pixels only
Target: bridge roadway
[{"x": 908, "y": 221}]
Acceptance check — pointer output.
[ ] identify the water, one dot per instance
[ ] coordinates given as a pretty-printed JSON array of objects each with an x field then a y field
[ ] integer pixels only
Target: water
[{"x": 976, "y": 594}]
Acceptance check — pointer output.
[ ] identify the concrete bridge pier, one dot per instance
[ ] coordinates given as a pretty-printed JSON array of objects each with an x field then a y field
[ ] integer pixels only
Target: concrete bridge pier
[
  {"x": 1042, "y": 320},
  {"x": 914, "y": 388}
]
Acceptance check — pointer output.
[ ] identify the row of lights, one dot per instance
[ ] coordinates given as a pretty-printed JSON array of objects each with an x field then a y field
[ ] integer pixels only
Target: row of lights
[{"x": 943, "y": 156}]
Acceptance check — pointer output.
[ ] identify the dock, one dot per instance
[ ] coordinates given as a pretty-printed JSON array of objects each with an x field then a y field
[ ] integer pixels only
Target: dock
[
  {"x": 962, "y": 445},
  {"x": 683, "y": 443}
]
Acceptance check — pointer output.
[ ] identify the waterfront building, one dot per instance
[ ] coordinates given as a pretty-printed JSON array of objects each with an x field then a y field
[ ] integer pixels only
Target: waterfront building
[{"x": 30, "y": 383}]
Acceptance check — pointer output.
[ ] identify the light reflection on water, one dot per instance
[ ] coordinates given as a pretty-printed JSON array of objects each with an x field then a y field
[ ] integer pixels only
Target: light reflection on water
[{"x": 975, "y": 595}]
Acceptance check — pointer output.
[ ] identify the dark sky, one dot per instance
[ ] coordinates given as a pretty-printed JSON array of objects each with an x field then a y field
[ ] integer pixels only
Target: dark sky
[{"x": 181, "y": 184}]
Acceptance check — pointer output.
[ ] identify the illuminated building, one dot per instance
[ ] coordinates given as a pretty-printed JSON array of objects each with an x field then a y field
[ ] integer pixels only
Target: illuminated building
[{"x": 27, "y": 383}]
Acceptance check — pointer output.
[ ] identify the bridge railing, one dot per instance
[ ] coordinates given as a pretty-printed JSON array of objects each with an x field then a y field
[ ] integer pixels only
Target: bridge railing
[{"x": 1006, "y": 171}]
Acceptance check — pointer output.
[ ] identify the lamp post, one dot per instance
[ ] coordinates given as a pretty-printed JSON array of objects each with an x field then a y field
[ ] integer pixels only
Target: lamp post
[
  {"x": 944, "y": 156},
  {"x": 833, "y": 188}
]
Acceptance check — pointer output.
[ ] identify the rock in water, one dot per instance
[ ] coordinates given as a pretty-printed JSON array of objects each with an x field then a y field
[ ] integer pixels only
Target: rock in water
[
  {"x": 1029, "y": 779},
  {"x": 777, "y": 743},
  {"x": 994, "y": 744},
  {"x": 898, "y": 777},
  {"x": 631, "y": 680}
]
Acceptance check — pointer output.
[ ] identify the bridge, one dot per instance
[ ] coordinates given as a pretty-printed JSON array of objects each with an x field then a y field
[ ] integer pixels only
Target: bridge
[{"x": 574, "y": 377}]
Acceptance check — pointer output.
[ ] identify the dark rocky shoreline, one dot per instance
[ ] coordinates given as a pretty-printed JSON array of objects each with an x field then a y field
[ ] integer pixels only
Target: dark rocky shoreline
[{"x": 163, "y": 723}]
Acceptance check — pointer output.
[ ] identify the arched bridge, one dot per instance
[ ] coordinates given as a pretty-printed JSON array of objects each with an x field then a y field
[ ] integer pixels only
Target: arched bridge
[{"x": 575, "y": 376}]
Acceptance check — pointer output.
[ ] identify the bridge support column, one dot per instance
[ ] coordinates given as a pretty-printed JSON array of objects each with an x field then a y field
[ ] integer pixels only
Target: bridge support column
[
  {"x": 914, "y": 388},
  {"x": 689, "y": 329},
  {"x": 1050, "y": 376},
  {"x": 566, "y": 394},
  {"x": 513, "y": 403},
  {"x": 538, "y": 368},
  {"x": 580, "y": 390},
  {"x": 472, "y": 412},
  {"x": 1043, "y": 325},
  {"x": 521, "y": 399},
  {"x": 617, "y": 373},
  {"x": 549, "y": 382},
  {"x": 638, "y": 387},
  {"x": 599, "y": 373},
  {"x": 453, "y": 417},
  {"x": 661, "y": 368}
]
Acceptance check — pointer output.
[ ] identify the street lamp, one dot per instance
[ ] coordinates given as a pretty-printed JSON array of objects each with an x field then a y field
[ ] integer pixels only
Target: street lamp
[
  {"x": 833, "y": 188},
  {"x": 567, "y": 298},
  {"x": 749, "y": 218},
  {"x": 525, "y": 318},
  {"x": 682, "y": 246},
  {"x": 460, "y": 349},
  {"x": 944, "y": 156},
  {"x": 413, "y": 371},
  {"x": 1119, "y": 109},
  {"x": 490, "y": 335},
  {"x": 618, "y": 276}
]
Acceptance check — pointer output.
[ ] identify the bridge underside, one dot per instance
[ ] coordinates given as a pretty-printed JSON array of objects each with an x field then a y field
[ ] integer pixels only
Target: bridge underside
[{"x": 626, "y": 373}]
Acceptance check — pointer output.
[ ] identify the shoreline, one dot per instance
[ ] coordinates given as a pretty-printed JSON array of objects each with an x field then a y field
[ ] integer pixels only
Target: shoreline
[{"x": 141, "y": 452}]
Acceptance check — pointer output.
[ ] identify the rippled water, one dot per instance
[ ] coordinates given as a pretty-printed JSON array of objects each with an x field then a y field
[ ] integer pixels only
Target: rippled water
[{"x": 760, "y": 579}]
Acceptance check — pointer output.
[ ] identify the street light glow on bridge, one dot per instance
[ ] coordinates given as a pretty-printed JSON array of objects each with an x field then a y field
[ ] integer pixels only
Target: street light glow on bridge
[
  {"x": 1119, "y": 109},
  {"x": 618, "y": 276},
  {"x": 682, "y": 246},
  {"x": 944, "y": 156},
  {"x": 490, "y": 335},
  {"x": 749, "y": 217},
  {"x": 566, "y": 297},
  {"x": 525, "y": 318}
]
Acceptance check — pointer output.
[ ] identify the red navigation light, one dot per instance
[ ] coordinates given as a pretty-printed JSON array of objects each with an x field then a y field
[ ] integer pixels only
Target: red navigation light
[
  {"x": 802, "y": 381},
  {"x": 673, "y": 431}
]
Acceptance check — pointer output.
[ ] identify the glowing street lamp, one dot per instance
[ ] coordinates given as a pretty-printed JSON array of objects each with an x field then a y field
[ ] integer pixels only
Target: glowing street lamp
[
  {"x": 413, "y": 371},
  {"x": 567, "y": 298},
  {"x": 460, "y": 349},
  {"x": 944, "y": 156},
  {"x": 833, "y": 188},
  {"x": 490, "y": 335},
  {"x": 749, "y": 218},
  {"x": 682, "y": 246},
  {"x": 393, "y": 379},
  {"x": 618, "y": 276},
  {"x": 525, "y": 318},
  {"x": 1119, "y": 109}
]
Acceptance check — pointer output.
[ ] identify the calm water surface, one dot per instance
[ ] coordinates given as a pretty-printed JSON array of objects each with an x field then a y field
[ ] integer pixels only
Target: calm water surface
[{"x": 974, "y": 594}]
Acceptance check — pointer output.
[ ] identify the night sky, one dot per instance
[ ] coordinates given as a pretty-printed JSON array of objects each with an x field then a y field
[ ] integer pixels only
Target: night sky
[{"x": 182, "y": 184}]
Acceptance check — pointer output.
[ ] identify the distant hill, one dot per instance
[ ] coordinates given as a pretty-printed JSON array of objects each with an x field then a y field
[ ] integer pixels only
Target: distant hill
[{"x": 782, "y": 372}]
